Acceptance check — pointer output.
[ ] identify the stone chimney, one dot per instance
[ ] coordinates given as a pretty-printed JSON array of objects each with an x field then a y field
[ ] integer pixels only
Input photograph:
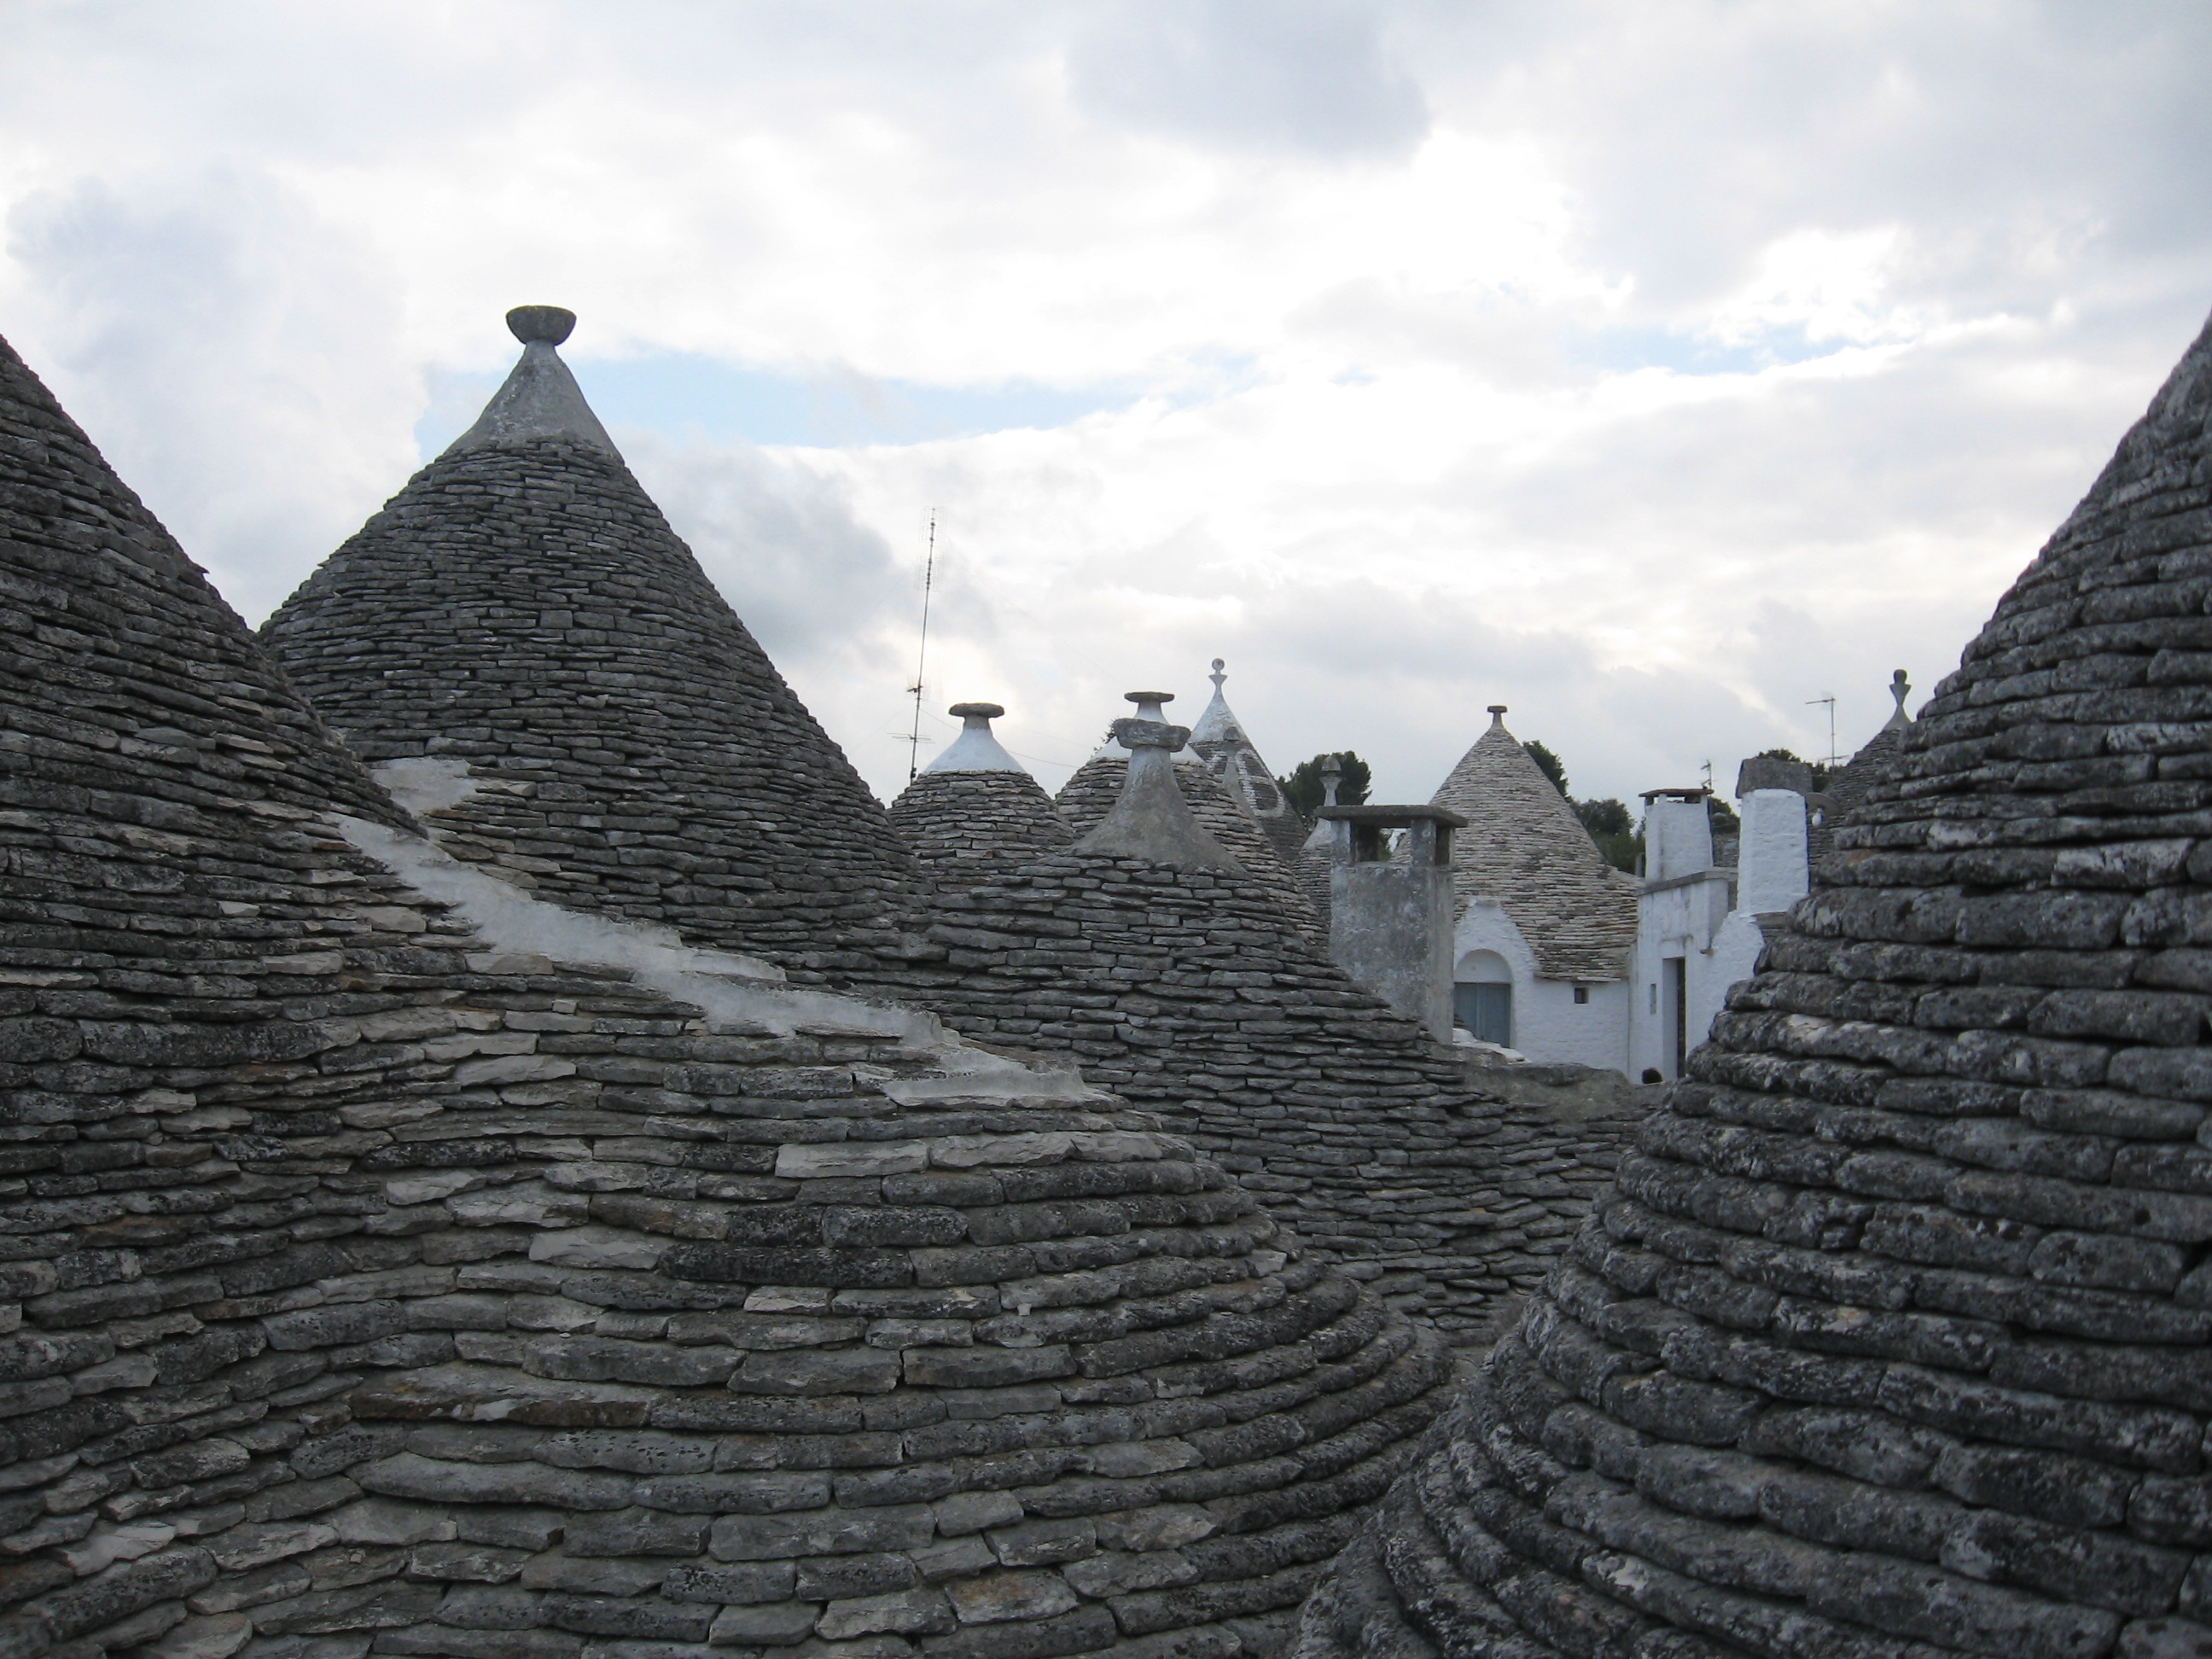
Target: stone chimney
[{"x": 1390, "y": 920}]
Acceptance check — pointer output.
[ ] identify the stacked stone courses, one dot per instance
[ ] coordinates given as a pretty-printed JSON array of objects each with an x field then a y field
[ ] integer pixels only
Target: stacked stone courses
[
  {"x": 1090, "y": 794},
  {"x": 615, "y": 740},
  {"x": 369, "y": 1280},
  {"x": 1189, "y": 991},
  {"x": 1891, "y": 1338},
  {"x": 965, "y": 828}
]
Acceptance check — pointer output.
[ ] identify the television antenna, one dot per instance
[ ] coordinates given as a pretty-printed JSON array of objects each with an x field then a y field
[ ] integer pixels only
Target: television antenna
[
  {"x": 921, "y": 658},
  {"x": 1830, "y": 700}
]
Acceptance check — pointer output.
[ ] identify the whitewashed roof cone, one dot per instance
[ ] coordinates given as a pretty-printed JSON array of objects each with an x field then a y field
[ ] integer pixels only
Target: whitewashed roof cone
[
  {"x": 1221, "y": 744},
  {"x": 975, "y": 749},
  {"x": 541, "y": 399}
]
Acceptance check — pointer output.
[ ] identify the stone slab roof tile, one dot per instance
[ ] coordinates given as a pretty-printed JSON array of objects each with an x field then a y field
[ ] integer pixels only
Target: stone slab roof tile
[
  {"x": 1889, "y": 1338},
  {"x": 524, "y": 647},
  {"x": 401, "y": 1258},
  {"x": 1525, "y": 849}
]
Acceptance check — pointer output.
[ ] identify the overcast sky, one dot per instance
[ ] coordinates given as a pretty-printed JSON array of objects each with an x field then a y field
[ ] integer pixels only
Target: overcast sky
[{"x": 1654, "y": 370}]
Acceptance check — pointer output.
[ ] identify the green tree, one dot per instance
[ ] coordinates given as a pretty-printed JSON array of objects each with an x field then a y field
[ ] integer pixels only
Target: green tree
[
  {"x": 1304, "y": 791},
  {"x": 1551, "y": 766}
]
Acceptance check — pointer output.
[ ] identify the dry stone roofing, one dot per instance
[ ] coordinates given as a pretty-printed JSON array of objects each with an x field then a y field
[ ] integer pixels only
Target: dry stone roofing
[
  {"x": 389, "y": 1256},
  {"x": 1523, "y": 849},
  {"x": 1890, "y": 1340},
  {"x": 1219, "y": 740},
  {"x": 525, "y": 650},
  {"x": 975, "y": 811},
  {"x": 1190, "y": 992},
  {"x": 1086, "y": 798}
]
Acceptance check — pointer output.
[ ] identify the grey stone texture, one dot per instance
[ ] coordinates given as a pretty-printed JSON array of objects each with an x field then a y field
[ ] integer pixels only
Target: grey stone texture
[
  {"x": 1191, "y": 992},
  {"x": 365, "y": 1284},
  {"x": 964, "y": 827},
  {"x": 519, "y": 629},
  {"x": 1086, "y": 798},
  {"x": 1890, "y": 1340},
  {"x": 1525, "y": 849}
]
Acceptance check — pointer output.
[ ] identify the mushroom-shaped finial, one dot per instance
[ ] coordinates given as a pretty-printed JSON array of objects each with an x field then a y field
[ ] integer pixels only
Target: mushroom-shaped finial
[
  {"x": 531, "y": 324},
  {"x": 976, "y": 713}
]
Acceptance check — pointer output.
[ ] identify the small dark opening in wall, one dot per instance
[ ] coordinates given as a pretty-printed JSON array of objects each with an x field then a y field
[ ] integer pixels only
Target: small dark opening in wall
[
  {"x": 1367, "y": 846},
  {"x": 1581, "y": 994}
]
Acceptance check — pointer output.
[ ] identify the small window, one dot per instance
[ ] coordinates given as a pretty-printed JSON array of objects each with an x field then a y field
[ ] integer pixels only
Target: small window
[
  {"x": 1581, "y": 994},
  {"x": 1655, "y": 999}
]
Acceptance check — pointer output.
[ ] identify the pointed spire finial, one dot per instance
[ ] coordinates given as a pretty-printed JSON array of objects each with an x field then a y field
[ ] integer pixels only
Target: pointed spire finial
[
  {"x": 550, "y": 324},
  {"x": 1217, "y": 676},
  {"x": 1898, "y": 687}
]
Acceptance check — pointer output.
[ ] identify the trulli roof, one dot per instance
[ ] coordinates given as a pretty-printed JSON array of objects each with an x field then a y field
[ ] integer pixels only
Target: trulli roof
[
  {"x": 569, "y": 700},
  {"x": 1525, "y": 849},
  {"x": 1890, "y": 1338},
  {"x": 1219, "y": 739}
]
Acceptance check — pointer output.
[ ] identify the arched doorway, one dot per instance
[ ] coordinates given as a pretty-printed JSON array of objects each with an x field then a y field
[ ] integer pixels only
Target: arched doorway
[{"x": 1482, "y": 997}]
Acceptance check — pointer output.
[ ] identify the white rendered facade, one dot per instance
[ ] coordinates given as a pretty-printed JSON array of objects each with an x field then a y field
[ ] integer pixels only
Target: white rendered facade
[
  {"x": 1546, "y": 1020},
  {"x": 1698, "y": 933}
]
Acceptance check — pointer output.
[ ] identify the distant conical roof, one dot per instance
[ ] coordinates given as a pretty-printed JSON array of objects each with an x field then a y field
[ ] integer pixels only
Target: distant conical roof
[
  {"x": 530, "y": 655},
  {"x": 1218, "y": 738},
  {"x": 975, "y": 811},
  {"x": 1891, "y": 1338},
  {"x": 1525, "y": 849},
  {"x": 1089, "y": 795}
]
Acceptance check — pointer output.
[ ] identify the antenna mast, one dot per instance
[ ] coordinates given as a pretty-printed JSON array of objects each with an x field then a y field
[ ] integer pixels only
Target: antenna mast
[
  {"x": 1830, "y": 700},
  {"x": 921, "y": 658}
]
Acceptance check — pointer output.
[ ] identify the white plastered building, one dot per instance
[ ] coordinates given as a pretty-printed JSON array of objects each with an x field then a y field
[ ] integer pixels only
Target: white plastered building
[{"x": 1545, "y": 926}]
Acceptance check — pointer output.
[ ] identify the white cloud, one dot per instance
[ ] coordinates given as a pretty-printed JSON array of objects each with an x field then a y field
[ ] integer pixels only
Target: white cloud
[{"x": 1652, "y": 370}]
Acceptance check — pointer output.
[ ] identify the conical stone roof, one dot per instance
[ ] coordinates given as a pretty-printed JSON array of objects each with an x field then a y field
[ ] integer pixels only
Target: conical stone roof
[
  {"x": 1892, "y": 1339},
  {"x": 975, "y": 811},
  {"x": 403, "y": 1260},
  {"x": 1218, "y": 738},
  {"x": 523, "y": 648},
  {"x": 1180, "y": 980},
  {"x": 1525, "y": 849},
  {"x": 1086, "y": 798}
]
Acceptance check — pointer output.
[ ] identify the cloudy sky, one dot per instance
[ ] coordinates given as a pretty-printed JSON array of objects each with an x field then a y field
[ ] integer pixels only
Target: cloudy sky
[{"x": 1655, "y": 369}]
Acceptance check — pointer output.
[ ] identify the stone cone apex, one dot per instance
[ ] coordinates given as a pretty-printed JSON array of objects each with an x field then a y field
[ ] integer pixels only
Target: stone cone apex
[
  {"x": 527, "y": 653},
  {"x": 1218, "y": 738},
  {"x": 1891, "y": 1338},
  {"x": 1525, "y": 849},
  {"x": 1149, "y": 819},
  {"x": 387, "y": 1275},
  {"x": 540, "y": 400},
  {"x": 975, "y": 749},
  {"x": 975, "y": 811}
]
